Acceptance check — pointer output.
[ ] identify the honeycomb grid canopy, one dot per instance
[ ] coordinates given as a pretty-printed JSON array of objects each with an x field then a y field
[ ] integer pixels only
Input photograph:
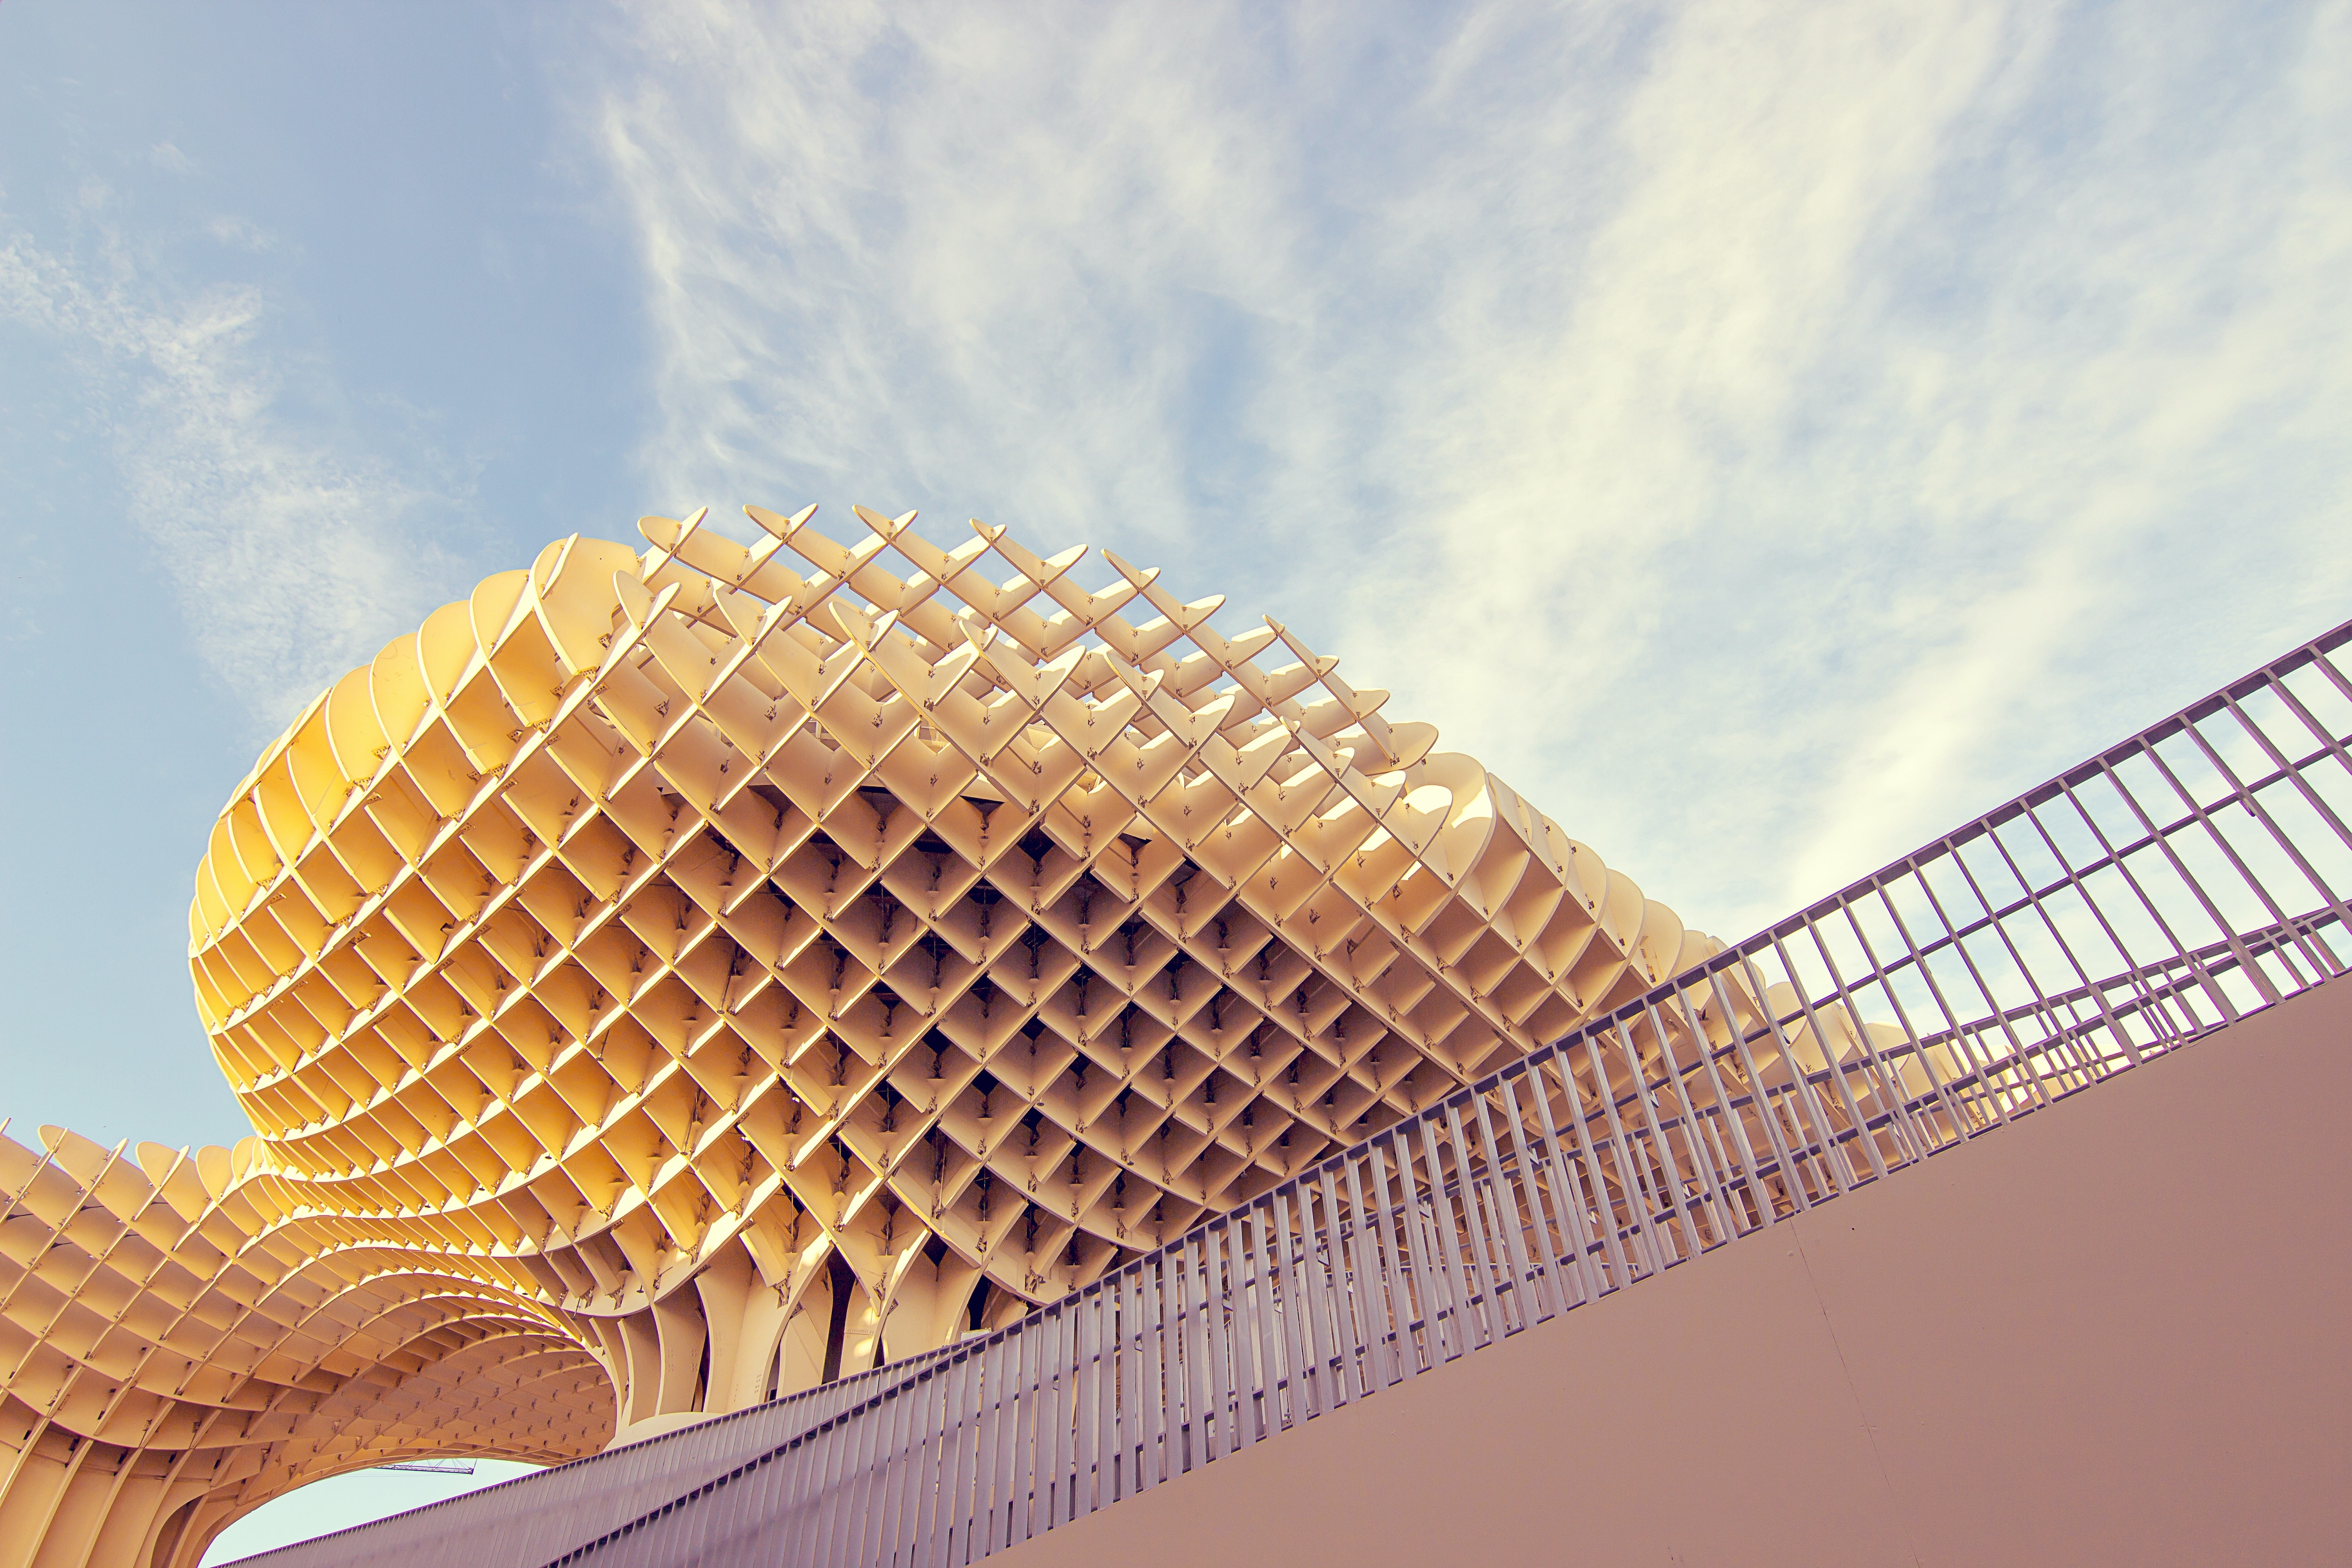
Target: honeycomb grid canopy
[{"x": 671, "y": 978}]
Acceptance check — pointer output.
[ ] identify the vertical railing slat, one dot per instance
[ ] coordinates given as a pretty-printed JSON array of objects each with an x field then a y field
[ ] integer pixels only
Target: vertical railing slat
[{"x": 1334, "y": 1285}]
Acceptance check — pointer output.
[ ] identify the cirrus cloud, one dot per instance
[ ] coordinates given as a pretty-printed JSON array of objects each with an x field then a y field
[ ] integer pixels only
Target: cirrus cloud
[{"x": 1767, "y": 435}]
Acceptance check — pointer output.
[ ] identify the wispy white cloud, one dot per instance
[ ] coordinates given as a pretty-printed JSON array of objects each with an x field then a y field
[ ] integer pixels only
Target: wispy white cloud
[
  {"x": 285, "y": 540},
  {"x": 238, "y": 234},
  {"x": 1767, "y": 433},
  {"x": 904, "y": 256}
]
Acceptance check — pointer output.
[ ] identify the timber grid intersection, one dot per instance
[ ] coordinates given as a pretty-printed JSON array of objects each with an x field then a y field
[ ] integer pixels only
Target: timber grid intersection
[{"x": 2156, "y": 892}]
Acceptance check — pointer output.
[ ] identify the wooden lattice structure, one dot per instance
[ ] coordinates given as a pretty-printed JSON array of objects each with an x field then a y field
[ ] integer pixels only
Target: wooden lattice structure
[{"x": 667, "y": 980}]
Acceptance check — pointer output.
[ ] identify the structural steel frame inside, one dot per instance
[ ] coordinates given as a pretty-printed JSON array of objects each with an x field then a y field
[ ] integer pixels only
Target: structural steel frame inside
[{"x": 2160, "y": 890}]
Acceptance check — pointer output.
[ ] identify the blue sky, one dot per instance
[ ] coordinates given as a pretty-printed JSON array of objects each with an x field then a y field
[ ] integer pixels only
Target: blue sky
[{"x": 1765, "y": 434}]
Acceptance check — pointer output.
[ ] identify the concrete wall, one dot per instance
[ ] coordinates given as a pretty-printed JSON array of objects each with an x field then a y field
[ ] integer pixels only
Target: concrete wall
[{"x": 2115, "y": 1331}]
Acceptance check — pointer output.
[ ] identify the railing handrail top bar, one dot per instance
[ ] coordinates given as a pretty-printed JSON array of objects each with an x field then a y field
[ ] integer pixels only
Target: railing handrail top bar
[
  {"x": 2051, "y": 788},
  {"x": 1739, "y": 954},
  {"x": 873, "y": 1386}
]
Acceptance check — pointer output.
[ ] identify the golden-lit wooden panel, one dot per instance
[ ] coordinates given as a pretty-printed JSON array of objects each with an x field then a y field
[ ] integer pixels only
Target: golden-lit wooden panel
[{"x": 667, "y": 979}]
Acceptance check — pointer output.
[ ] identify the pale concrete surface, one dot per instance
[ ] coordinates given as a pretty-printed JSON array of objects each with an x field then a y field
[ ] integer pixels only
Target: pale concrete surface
[{"x": 2112, "y": 1332}]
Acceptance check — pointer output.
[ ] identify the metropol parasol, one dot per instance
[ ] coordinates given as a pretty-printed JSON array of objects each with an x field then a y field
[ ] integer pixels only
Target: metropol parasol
[{"x": 672, "y": 978}]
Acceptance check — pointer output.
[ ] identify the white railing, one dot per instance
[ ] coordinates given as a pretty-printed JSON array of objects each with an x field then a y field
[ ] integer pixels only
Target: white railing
[{"x": 2198, "y": 872}]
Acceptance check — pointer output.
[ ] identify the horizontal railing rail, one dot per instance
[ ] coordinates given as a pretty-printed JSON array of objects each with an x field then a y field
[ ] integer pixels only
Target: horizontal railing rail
[
  {"x": 2163, "y": 888},
  {"x": 536, "y": 1517}
]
